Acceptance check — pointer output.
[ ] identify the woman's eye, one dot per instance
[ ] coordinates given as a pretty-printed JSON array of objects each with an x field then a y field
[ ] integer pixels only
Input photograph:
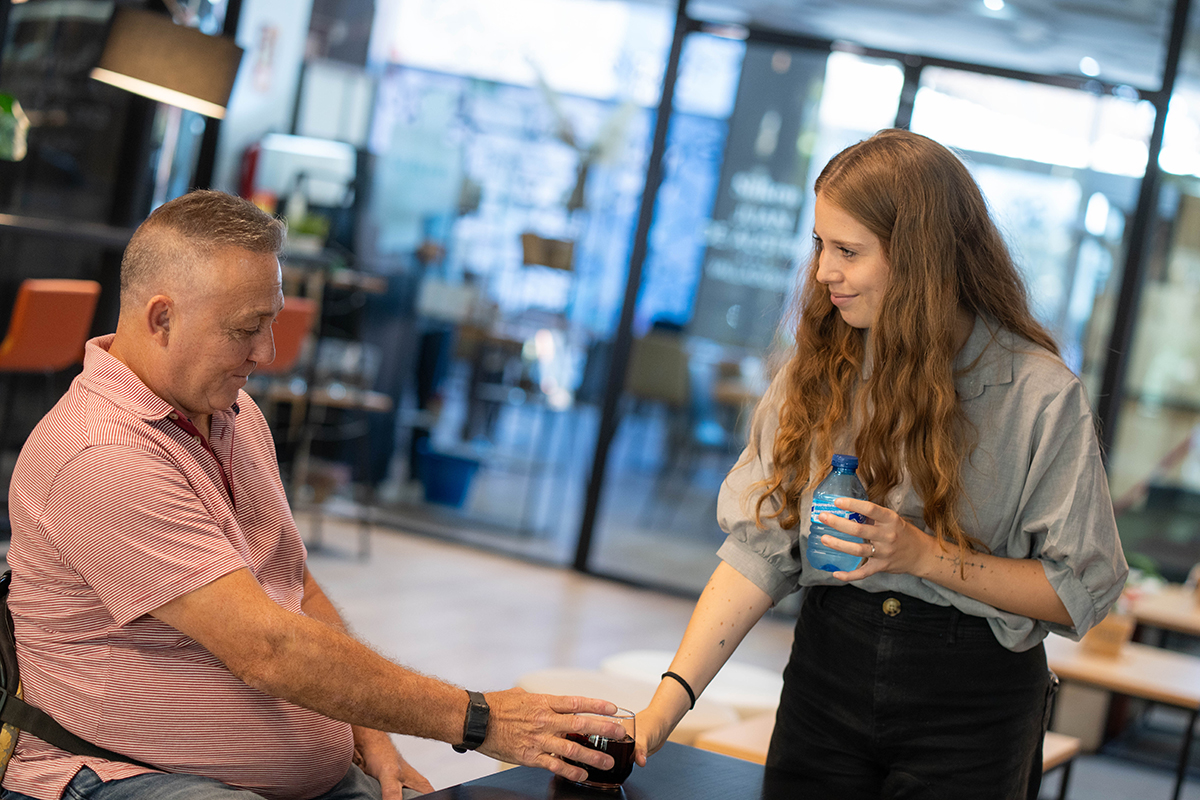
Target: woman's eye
[{"x": 846, "y": 253}]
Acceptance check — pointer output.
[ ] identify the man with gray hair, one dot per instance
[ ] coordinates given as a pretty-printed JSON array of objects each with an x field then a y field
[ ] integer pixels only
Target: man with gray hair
[{"x": 160, "y": 596}]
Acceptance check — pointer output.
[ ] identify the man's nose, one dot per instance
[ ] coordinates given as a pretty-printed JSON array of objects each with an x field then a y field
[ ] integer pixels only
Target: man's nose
[{"x": 263, "y": 352}]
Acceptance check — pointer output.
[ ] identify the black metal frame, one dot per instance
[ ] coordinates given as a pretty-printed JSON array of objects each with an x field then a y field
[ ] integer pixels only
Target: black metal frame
[
  {"x": 1112, "y": 386},
  {"x": 623, "y": 343}
]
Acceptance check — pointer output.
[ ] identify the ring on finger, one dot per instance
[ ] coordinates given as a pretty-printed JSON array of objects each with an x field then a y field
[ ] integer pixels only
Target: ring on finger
[{"x": 872, "y": 550}]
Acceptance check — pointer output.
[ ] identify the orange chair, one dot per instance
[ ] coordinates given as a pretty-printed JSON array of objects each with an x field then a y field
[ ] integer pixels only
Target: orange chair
[
  {"x": 291, "y": 329},
  {"x": 49, "y": 326}
]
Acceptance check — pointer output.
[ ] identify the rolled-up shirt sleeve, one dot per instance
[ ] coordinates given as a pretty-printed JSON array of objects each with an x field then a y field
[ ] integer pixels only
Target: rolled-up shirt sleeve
[
  {"x": 763, "y": 552},
  {"x": 1067, "y": 514}
]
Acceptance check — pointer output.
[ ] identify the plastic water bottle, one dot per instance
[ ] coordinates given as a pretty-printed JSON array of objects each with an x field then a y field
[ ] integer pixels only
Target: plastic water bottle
[{"x": 842, "y": 482}]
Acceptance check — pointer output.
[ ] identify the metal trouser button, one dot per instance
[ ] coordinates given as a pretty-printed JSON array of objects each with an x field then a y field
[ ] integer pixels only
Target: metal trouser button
[{"x": 891, "y": 606}]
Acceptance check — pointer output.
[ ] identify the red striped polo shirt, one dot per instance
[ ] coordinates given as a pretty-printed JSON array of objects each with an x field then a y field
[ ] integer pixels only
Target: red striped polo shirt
[{"x": 117, "y": 510}]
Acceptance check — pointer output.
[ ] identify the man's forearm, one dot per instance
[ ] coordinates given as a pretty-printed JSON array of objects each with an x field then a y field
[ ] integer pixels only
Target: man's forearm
[
  {"x": 309, "y": 656},
  {"x": 317, "y": 665},
  {"x": 308, "y": 659},
  {"x": 317, "y": 605}
]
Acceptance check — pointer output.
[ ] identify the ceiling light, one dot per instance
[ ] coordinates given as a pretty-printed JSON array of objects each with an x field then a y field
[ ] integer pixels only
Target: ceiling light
[
  {"x": 994, "y": 5},
  {"x": 148, "y": 54},
  {"x": 1089, "y": 66}
]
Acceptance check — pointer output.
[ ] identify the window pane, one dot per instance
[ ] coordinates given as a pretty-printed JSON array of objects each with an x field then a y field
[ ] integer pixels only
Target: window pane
[
  {"x": 509, "y": 161},
  {"x": 1045, "y": 157}
]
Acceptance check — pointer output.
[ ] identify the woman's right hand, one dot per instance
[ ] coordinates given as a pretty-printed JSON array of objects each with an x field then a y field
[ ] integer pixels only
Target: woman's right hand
[{"x": 653, "y": 728}]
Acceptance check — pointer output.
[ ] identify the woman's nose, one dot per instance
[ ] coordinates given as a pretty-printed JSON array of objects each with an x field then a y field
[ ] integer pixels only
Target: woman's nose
[{"x": 825, "y": 272}]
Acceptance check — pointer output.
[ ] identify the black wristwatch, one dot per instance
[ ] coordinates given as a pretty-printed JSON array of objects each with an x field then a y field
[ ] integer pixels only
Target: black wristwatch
[{"x": 476, "y": 724}]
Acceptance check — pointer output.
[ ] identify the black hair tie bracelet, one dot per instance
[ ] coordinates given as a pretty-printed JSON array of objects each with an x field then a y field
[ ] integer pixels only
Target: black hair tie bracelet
[{"x": 685, "y": 686}]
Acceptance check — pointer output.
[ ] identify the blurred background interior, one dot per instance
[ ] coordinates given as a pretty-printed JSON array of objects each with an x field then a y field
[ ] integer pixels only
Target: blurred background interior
[{"x": 539, "y": 248}]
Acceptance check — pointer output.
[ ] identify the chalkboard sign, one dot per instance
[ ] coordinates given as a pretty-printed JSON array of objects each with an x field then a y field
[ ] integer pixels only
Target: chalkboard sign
[{"x": 752, "y": 237}]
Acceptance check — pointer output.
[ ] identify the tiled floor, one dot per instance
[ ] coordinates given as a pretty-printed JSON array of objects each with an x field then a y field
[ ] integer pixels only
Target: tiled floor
[{"x": 483, "y": 620}]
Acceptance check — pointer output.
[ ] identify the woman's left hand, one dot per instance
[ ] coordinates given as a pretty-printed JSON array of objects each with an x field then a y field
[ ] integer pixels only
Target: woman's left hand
[{"x": 890, "y": 542}]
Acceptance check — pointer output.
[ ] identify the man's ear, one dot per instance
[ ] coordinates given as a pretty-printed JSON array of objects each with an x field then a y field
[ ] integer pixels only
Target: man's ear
[{"x": 160, "y": 311}]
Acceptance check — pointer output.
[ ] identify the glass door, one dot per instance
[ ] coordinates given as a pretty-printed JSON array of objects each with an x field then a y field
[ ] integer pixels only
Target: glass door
[{"x": 719, "y": 273}]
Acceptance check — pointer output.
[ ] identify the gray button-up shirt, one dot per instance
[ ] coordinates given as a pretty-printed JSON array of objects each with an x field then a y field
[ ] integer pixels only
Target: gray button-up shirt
[{"x": 1035, "y": 488}]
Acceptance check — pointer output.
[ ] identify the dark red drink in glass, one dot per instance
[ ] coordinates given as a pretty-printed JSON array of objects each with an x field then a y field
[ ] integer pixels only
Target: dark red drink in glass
[{"x": 621, "y": 751}]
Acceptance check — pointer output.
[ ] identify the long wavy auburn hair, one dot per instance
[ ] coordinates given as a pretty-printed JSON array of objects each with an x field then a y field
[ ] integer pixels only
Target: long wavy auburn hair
[{"x": 944, "y": 254}]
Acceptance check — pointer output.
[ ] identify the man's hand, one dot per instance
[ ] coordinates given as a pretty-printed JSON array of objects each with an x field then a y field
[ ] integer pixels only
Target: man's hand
[
  {"x": 377, "y": 756},
  {"x": 530, "y": 729}
]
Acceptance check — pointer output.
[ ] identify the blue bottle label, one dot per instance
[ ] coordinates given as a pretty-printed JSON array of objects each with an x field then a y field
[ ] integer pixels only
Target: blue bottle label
[{"x": 824, "y": 502}]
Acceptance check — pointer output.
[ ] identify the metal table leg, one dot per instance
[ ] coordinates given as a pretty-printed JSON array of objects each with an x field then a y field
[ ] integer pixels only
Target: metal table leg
[
  {"x": 1066, "y": 776},
  {"x": 1184, "y": 754}
]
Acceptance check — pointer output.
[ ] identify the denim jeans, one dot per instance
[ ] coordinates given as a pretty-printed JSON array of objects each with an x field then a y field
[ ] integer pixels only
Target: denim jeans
[
  {"x": 86, "y": 785},
  {"x": 923, "y": 703}
]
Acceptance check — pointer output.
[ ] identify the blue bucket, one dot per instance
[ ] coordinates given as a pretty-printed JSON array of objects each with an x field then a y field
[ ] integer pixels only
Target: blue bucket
[{"x": 447, "y": 478}]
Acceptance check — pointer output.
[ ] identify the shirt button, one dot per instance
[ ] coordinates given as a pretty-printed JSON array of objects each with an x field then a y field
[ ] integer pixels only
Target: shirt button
[
  {"x": 173, "y": 416},
  {"x": 891, "y": 606}
]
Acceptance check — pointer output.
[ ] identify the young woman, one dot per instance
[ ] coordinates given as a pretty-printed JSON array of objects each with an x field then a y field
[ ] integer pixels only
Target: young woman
[{"x": 989, "y": 525}]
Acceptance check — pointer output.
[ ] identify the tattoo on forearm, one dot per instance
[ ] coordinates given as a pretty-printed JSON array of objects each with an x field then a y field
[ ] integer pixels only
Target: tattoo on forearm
[
  {"x": 722, "y": 643},
  {"x": 959, "y": 564}
]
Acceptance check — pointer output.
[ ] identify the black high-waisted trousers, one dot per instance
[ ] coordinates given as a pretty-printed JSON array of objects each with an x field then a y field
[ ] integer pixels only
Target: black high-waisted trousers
[{"x": 923, "y": 703}]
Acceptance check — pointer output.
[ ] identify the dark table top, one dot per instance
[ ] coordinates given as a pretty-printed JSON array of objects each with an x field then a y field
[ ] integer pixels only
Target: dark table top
[{"x": 676, "y": 772}]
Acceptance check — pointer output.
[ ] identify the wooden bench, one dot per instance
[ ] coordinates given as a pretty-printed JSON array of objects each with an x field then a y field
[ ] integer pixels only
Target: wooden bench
[
  {"x": 750, "y": 738},
  {"x": 1059, "y": 750}
]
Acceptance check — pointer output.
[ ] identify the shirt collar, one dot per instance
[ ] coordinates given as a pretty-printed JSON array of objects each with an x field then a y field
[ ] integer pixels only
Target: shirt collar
[
  {"x": 985, "y": 360},
  {"x": 109, "y": 377}
]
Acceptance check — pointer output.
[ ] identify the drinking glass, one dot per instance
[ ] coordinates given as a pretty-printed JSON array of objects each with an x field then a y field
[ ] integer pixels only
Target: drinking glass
[{"x": 621, "y": 751}]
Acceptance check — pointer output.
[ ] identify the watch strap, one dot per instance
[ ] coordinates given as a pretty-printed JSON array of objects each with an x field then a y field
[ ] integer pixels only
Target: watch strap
[{"x": 476, "y": 723}]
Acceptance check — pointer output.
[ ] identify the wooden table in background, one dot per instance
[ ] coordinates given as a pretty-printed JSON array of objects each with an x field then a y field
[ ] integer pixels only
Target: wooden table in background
[
  {"x": 1172, "y": 608},
  {"x": 1141, "y": 671}
]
